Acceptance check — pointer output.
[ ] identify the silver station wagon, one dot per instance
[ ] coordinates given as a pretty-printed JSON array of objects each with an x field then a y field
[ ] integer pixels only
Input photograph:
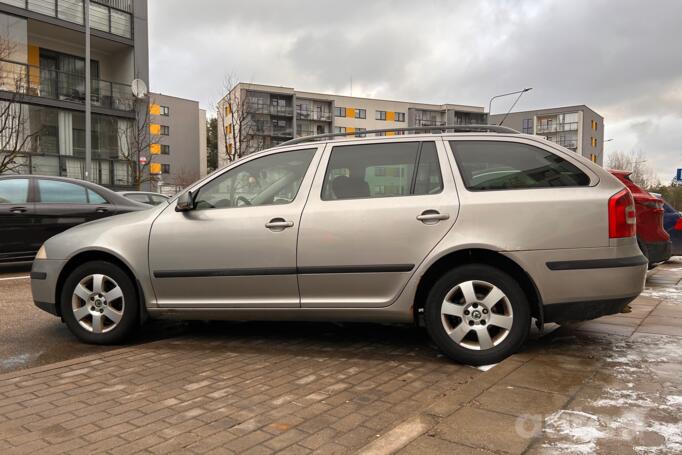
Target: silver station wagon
[{"x": 472, "y": 231}]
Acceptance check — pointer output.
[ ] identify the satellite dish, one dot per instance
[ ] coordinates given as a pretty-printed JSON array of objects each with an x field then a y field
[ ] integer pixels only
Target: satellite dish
[{"x": 139, "y": 88}]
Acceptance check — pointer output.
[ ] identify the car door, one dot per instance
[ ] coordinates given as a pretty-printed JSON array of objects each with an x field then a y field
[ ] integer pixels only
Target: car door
[
  {"x": 17, "y": 222},
  {"x": 372, "y": 216},
  {"x": 237, "y": 247},
  {"x": 61, "y": 205}
]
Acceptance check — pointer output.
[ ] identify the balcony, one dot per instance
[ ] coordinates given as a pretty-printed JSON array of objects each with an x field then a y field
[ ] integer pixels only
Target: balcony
[
  {"x": 116, "y": 20},
  {"x": 556, "y": 127},
  {"x": 58, "y": 85},
  {"x": 568, "y": 143},
  {"x": 259, "y": 108},
  {"x": 274, "y": 132},
  {"x": 302, "y": 114}
]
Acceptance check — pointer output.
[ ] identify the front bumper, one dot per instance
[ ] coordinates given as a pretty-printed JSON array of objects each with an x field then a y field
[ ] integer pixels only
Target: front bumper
[{"x": 44, "y": 277}]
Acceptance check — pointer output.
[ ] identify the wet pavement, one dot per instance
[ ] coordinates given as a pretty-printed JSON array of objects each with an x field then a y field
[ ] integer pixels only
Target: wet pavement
[{"x": 30, "y": 337}]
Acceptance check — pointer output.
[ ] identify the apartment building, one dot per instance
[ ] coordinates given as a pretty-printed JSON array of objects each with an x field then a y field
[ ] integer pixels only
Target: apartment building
[
  {"x": 578, "y": 128},
  {"x": 269, "y": 115},
  {"x": 42, "y": 71},
  {"x": 178, "y": 146}
]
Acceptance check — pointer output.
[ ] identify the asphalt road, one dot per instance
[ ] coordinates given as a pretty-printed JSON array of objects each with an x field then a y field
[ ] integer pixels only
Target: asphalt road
[{"x": 30, "y": 337}]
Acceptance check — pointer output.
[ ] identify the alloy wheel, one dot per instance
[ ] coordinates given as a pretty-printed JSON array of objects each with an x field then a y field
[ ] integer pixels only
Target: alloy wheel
[
  {"x": 477, "y": 315},
  {"x": 98, "y": 303}
]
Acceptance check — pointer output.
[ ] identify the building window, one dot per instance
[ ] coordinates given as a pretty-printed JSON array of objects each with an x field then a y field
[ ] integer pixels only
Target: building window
[
  {"x": 594, "y": 141},
  {"x": 165, "y": 168},
  {"x": 339, "y": 129},
  {"x": 399, "y": 116},
  {"x": 165, "y": 111},
  {"x": 593, "y": 157},
  {"x": 340, "y": 111},
  {"x": 165, "y": 149},
  {"x": 528, "y": 126},
  {"x": 360, "y": 113},
  {"x": 360, "y": 132},
  {"x": 165, "y": 130},
  {"x": 381, "y": 115}
]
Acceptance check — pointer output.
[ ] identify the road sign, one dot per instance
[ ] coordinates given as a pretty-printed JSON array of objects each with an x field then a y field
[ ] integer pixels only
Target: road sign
[
  {"x": 679, "y": 175},
  {"x": 143, "y": 160}
]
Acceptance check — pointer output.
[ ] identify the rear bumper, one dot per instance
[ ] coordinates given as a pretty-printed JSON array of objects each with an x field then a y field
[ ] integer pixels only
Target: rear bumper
[
  {"x": 582, "y": 311},
  {"x": 659, "y": 251}
]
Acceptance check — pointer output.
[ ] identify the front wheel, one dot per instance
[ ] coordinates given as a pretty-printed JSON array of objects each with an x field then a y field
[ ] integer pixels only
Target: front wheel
[
  {"x": 477, "y": 314},
  {"x": 99, "y": 303}
]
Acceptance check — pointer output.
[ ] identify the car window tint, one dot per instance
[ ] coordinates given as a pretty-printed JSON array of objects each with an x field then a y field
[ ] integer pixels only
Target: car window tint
[
  {"x": 54, "y": 191},
  {"x": 497, "y": 165},
  {"x": 429, "y": 179},
  {"x": 14, "y": 191},
  {"x": 272, "y": 179},
  {"x": 95, "y": 198},
  {"x": 370, "y": 170},
  {"x": 137, "y": 197}
]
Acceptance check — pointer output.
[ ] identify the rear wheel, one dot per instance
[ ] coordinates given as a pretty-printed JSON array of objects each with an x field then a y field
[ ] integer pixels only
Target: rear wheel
[
  {"x": 477, "y": 314},
  {"x": 99, "y": 303}
]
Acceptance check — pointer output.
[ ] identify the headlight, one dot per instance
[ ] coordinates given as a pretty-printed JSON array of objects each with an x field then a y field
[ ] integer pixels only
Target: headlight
[{"x": 41, "y": 253}]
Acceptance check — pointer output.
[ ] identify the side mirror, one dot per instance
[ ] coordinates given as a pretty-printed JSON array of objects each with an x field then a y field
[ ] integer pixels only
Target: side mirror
[{"x": 185, "y": 202}]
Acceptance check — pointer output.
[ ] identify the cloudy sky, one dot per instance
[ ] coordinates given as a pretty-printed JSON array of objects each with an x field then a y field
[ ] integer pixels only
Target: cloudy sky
[{"x": 621, "y": 58}]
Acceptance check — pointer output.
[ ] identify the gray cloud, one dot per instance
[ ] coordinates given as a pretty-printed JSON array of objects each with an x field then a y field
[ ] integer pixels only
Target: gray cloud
[{"x": 620, "y": 58}]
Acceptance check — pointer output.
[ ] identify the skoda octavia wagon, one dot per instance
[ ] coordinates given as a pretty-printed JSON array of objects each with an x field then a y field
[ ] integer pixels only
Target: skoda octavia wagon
[{"x": 471, "y": 231}]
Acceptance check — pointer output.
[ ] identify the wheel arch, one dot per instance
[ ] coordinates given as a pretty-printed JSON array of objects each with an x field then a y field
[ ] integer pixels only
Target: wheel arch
[
  {"x": 478, "y": 256},
  {"x": 99, "y": 255}
]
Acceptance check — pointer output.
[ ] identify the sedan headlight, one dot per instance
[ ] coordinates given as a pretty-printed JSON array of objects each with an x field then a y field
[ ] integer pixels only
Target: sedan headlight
[{"x": 41, "y": 253}]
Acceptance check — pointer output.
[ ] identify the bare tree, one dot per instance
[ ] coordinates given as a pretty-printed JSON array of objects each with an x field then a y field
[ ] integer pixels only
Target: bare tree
[
  {"x": 136, "y": 143},
  {"x": 238, "y": 123},
  {"x": 635, "y": 162},
  {"x": 185, "y": 177},
  {"x": 15, "y": 134}
]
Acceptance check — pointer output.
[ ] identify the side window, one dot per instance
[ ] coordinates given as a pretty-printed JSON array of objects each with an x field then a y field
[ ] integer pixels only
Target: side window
[
  {"x": 138, "y": 197},
  {"x": 272, "y": 179},
  {"x": 54, "y": 191},
  {"x": 156, "y": 200},
  {"x": 382, "y": 170},
  {"x": 13, "y": 191},
  {"x": 492, "y": 165},
  {"x": 429, "y": 179},
  {"x": 95, "y": 198}
]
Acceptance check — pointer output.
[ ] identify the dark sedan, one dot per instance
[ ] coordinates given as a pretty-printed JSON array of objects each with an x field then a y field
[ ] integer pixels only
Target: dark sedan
[{"x": 34, "y": 208}]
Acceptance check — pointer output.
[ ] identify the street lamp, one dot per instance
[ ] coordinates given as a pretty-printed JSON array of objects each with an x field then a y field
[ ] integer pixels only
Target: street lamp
[{"x": 520, "y": 92}]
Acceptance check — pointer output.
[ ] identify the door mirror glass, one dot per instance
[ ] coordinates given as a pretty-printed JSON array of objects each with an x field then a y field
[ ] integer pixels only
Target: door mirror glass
[{"x": 185, "y": 202}]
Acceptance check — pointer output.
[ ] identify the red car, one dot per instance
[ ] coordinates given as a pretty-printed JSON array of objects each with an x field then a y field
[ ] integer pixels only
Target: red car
[{"x": 652, "y": 238}]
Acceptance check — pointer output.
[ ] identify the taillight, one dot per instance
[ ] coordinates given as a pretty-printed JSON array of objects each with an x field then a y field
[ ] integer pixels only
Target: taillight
[
  {"x": 678, "y": 225},
  {"x": 622, "y": 215}
]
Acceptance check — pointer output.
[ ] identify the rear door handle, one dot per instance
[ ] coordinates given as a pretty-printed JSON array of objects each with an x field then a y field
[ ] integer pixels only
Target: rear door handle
[
  {"x": 18, "y": 210},
  {"x": 432, "y": 216},
  {"x": 101, "y": 210},
  {"x": 279, "y": 224}
]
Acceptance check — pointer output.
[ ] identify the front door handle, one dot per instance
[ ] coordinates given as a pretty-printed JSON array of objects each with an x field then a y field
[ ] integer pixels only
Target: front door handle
[
  {"x": 101, "y": 210},
  {"x": 279, "y": 224},
  {"x": 18, "y": 210},
  {"x": 432, "y": 216}
]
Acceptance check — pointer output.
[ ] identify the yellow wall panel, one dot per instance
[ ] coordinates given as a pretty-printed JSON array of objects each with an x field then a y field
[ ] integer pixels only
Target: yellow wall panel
[
  {"x": 350, "y": 130},
  {"x": 390, "y": 116},
  {"x": 155, "y": 149},
  {"x": 389, "y": 133},
  {"x": 155, "y": 168},
  {"x": 350, "y": 112},
  {"x": 155, "y": 109},
  {"x": 155, "y": 129},
  {"x": 34, "y": 69}
]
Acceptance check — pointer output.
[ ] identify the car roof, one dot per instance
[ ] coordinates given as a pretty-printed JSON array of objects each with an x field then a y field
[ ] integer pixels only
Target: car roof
[{"x": 142, "y": 192}]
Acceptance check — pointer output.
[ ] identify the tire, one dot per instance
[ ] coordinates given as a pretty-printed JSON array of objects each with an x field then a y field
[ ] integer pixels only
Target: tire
[
  {"x": 457, "y": 309},
  {"x": 100, "y": 310},
  {"x": 645, "y": 252}
]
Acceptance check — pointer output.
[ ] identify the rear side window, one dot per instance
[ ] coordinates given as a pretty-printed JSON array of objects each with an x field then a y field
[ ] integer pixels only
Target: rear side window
[
  {"x": 493, "y": 165},
  {"x": 13, "y": 191},
  {"x": 54, "y": 191},
  {"x": 138, "y": 197},
  {"x": 382, "y": 170},
  {"x": 95, "y": 198}
]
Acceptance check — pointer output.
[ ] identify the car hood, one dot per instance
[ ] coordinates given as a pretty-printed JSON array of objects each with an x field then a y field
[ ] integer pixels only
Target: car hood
[{"x": 105, "y": 234}]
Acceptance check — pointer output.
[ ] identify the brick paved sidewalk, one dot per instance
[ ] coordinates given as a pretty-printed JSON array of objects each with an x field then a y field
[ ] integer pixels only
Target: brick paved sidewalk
[{"x": 323, "y": 388}]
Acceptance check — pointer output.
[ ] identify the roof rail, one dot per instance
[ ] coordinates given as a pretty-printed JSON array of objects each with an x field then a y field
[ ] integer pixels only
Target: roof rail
[{"x": 411, "y": 129}]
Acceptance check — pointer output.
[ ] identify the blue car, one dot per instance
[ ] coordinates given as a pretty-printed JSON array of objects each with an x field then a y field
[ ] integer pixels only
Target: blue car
[{"x": 672, "y": 223}]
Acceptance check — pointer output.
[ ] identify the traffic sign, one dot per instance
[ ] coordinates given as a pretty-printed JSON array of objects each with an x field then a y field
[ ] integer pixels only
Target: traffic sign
[{"x": 143, "y": 160}]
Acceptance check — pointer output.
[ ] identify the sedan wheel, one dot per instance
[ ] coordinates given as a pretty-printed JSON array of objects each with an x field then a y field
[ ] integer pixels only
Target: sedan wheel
[
  {"x": 477, "y": 314},
  {"x": 99, "y": 303}
]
